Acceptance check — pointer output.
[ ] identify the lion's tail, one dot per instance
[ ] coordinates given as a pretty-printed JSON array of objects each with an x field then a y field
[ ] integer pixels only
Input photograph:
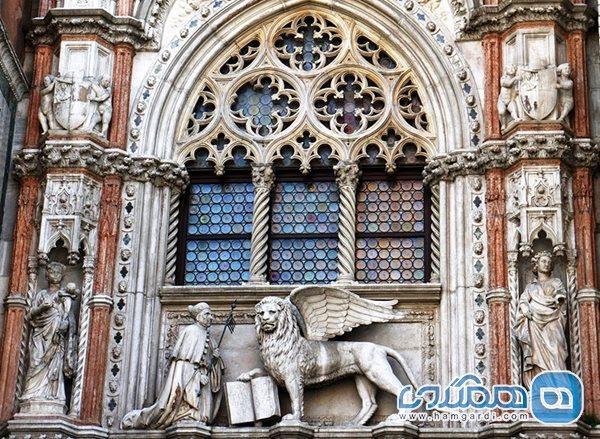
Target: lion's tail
[{"x": 396, "y": 356}]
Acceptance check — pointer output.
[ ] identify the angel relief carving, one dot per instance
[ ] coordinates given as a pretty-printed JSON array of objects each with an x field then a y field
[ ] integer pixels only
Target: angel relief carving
[{"x": 293, "y": 336}]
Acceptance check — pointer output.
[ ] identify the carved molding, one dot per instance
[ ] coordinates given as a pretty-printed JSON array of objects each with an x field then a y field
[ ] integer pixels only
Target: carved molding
[
  {"x": 11, "y": 67},
  {"x": 99, "y": 161},
  {"x": 499, "y": 19},
  {"x": 505, "y": 153},
  {"x": 115, "y": 30}
]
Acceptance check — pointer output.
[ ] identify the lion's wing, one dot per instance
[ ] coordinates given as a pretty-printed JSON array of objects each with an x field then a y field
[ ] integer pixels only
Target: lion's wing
[{"x": 329, "y": 311}]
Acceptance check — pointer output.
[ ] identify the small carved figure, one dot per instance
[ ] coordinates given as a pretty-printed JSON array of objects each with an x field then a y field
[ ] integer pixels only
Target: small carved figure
[
  {"x": 52, "y": 344},
  {"x": 507, "y": 101},
  {"x": 564, "y": 86},
  {"x": 46, "y": 112},
  {"x": 321, "y": 313},
  {"x": 102, "y": 94},
  {"x": 541, "y": 321},
  {"x": 192, "y": 390}
]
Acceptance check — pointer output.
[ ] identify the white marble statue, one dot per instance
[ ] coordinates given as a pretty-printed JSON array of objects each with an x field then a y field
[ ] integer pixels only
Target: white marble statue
[
  {"x": 102, "y": 95},
  {"x": 296, "y": 360},
  {"x": 52, "y": 345},
  {"x": 70, "y": 102},
  {"x": 46, "y": 112},
  {"x": 507, "y": 100},
  {"x": 535, "y": 93},
  {"x": 193, "y": 388},
  {"x": 564, "y": 85},
  {"x": 541, "y": 321}
]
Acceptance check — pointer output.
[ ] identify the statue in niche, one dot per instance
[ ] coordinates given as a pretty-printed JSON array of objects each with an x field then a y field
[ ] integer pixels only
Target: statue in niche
[
  {"x": 507, "y": 101},
  {"x": 541, "y": 321},
  {"x": 192, "y": 390},
  {"x": 292, "y": 336},
  {"x": 564, "y": 85},
  {"x": 52, "y": 345},
  {"x": 46, "y": 114},
  {"x": 75, "y": 103}
]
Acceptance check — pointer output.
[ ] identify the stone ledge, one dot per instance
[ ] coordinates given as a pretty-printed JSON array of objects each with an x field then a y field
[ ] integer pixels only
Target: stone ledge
[
  {"x": 85, "y": 22},
  {"x": 501, "y": 18}
]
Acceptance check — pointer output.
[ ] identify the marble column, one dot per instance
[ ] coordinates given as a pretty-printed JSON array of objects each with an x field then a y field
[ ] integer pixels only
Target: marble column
[
  {"x": 492, "y": 52},
  {"x": 16, "y": 301},
  {"x": 263, "y": 178},
  {"x": 347, "y": 174},
  {"x": 42, "y": 66}
]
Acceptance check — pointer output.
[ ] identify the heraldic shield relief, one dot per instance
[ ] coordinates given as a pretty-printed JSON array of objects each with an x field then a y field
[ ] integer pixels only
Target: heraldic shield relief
[
  {"x": 71, "y": 105},
  {"x": 537, "y": 92}
]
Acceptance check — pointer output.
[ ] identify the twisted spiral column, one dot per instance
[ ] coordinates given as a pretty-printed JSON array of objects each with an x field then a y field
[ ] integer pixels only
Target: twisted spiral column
[
  {"x": 573, "y": 308},
  {"x": 435, "y": 233},
  {"x": 172, "y": 237},
  {"x": 513, "y": 289},
  {"x": 347, "y": 174},
  {"x": 84, "y": 325},
  {"x": 263, "y": 178}
]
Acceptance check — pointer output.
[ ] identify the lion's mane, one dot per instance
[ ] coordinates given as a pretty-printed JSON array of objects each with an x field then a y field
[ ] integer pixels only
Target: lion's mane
[{"x": 283, "y": 348}]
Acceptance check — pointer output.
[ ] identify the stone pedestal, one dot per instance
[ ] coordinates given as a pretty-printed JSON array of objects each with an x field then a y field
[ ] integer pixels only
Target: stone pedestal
[
  {"x": 291, "y": 430},
  {"x": 46, "y": 407},
  {"x": 188, "y": 430}
]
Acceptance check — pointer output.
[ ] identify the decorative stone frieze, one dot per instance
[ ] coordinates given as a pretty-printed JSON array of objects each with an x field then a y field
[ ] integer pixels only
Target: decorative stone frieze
[
  {"x": 84, "y": 22},
  {"x": 505, "y": 153},
  {"x": 99, "y": 161},
  {"x": 499, "y": 19}
]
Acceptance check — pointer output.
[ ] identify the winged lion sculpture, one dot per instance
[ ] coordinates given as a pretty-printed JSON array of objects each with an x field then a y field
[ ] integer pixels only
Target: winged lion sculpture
[{"x": 293, "y": 336}]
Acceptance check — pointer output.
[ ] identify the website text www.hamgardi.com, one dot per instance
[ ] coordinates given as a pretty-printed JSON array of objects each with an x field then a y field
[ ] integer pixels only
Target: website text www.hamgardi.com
[{"x": 479, "y": 416}]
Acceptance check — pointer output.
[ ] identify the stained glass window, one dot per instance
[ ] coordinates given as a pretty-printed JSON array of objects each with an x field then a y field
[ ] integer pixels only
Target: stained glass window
[
  {"x": 304, "y": 233},
  {"x": 390, "y": 245},
  {"x": 219, "y": 227}
]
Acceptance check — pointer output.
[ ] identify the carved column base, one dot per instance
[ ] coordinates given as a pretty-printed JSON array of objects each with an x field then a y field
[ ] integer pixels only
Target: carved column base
[
  {"x": 291, "y": 430},
  {"x": 37, "y": 407},
  {"x": 258, "y": 280},
  {"x": 188, "y": 429},
  {"x": 499, "y": 311}
]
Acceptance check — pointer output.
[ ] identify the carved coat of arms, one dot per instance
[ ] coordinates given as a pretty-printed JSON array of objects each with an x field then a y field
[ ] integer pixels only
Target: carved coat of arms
[
  {"x": 537, "y": 92},
  {"x": 71, "y": 103}
]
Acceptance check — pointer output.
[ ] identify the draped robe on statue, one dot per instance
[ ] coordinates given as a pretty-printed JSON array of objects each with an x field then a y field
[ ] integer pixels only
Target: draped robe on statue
[
  {"x": 51, "y": 347},
  {"x": 542, "y": 338},
  {"x": 183, "y": 396}
]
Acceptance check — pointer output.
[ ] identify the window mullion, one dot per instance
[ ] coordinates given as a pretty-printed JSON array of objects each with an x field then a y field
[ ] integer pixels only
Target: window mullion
[
  {"x": 263, "y": 178},
  {"x": 347, "y": 174}
]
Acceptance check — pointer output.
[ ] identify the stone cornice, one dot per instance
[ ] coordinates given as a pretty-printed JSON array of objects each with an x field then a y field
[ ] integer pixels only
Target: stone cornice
[
  {"x": 499, "y": 19},
  {"x": 505, "y": 153},
  {"x": 11, "y": 67},
  {"x": 86, "y": 22},
  {"x": 99, "y": 161}
]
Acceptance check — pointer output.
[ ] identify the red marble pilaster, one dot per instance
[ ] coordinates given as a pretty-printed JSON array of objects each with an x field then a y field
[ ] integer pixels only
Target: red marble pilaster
[
  {"x": 15, "y": 313},
  {"x": 124, "y": 54},
  {"x": 42, "y": 66},
  {"x": 492, "y": 52},
  {"x": 587, "y": 296},
  {"x": 576, "y": 58},
  {"x": 124, "y": 7},
  {"x": 45, "y": 6},
  {"x": 498, "y": 296},
  {"x": 108, "y": 234}
]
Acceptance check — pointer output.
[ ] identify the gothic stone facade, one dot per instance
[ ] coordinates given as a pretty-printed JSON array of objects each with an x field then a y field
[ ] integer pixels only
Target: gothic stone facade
[{"x": 185, "y": 151}]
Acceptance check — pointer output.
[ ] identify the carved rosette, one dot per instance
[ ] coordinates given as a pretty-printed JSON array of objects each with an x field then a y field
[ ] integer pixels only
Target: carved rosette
[
  {"x": 263, "y": 178},
  {"x": 347, "y": 175}
]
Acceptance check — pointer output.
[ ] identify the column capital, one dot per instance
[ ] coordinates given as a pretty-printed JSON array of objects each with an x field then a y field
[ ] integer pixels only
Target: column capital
[
  {"x": 101, "y": 301},
  {"x": 347, "y": 174},
  {"x": 263, "y": 175},
  {"x": 588, "y": 295},
  {"x": 16, "y": 301}
]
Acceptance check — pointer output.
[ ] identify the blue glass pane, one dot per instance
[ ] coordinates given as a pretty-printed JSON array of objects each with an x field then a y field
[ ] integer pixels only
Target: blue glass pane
[
  {"x": 303, "y": 261},
  {"x": 305, "y": 208},
  {"x": 217, "y": 209},
  {"x": 390, "y": 260},
  {"x": 217, "y": 262}
]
